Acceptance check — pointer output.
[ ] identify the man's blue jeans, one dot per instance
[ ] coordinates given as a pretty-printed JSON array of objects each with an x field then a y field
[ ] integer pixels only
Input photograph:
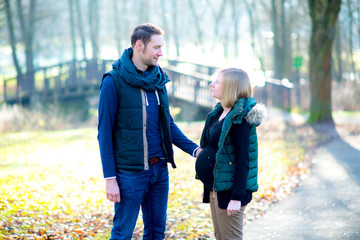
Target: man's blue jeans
[{"x": 148, "y": 189}]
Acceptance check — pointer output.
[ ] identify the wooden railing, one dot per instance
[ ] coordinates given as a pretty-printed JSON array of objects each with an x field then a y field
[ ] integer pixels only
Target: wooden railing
[
  {"x": 58, "y": 82},
  {"x": 182, "y": 65},
  {"x": 275, "y": 93},
  {"x": 191, "y": 87},
  {"x": 190, "y": 82}
]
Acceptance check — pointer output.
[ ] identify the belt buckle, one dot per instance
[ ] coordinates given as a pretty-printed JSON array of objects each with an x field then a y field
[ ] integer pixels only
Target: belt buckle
[{"x": 154, "y": 160}]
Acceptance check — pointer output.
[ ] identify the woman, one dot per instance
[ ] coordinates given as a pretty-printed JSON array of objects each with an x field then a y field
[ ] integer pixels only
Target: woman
[{"x": 227, "y": 165}]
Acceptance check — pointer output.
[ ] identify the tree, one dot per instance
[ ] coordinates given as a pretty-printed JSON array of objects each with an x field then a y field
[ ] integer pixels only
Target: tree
[
  {"x": 72, "y": 76},
  {"x": 94, "y": 28},
  {"x": 254, "y": 25},
  {"x": 27, "y": 24},
  {"x": 196, "y": 23},
  {"x": 218, "y": 13},
  {"x": 175, "y": 31},
  {"x": 92, "y": 65},
  {"x": 12, "y": 39},
  {"x": 351, "y": 46},
  {"x": 27, "y": 27},
  {"x": 281, "y": 55},
  {"x": 358, "y": 19},
  {"x": 165, "y": 24},
  {"x": 80, "y": 28},
  {"x": 235, "y": 15},
  {"x": 324, "y": 15},
  {"x": 117, "y": 34},
  {"x": 143, "y": 11},
  {"x": 337, "y": 58}
]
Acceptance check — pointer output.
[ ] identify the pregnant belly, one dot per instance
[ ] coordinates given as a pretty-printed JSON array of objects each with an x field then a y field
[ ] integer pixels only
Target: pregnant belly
[{"x": 204, "y": 166}]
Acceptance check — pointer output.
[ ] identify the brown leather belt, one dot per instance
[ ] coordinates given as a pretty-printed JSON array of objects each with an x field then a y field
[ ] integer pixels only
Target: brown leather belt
[{"x": 154, "y": 160}]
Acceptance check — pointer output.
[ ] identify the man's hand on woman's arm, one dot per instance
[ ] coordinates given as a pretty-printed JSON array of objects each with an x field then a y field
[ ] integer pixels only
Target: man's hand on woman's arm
[{"x": 197, "y": 152}]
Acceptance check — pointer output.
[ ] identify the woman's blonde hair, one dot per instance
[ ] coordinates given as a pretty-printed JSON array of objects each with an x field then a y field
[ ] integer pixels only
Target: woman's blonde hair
[{"x": 236, "y": 85}]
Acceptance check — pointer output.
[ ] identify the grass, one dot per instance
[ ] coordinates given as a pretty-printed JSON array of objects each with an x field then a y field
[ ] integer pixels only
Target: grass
[
  {"x": 346, "y": 113},
  {"x": 335, "y": 113},
  {"x": 47, "y": 178},
  {"x": 51, "y": 185}
]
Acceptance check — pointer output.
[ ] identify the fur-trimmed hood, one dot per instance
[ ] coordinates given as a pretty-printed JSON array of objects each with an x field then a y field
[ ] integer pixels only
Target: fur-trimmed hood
[
  {"x": 256, "y": 115},
  {"x": 244, "y": 108}
]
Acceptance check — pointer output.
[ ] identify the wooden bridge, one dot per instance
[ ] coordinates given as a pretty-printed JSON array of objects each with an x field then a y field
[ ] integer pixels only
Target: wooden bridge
[{"x": 190, "y": 84}]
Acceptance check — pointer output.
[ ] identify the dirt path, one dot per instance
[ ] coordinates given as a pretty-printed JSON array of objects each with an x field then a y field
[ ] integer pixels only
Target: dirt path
[{"x": 324, "y": 206}]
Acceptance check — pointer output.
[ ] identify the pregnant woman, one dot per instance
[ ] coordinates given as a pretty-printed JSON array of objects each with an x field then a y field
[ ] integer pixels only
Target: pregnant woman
[{"x": 227, "y": 165}]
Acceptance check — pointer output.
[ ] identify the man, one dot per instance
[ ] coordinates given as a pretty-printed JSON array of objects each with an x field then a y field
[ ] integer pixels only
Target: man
[{"x": 136, "y": 133}]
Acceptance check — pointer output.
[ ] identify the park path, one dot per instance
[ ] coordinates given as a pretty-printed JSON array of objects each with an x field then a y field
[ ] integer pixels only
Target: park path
[{"x": 325, "y": 206}]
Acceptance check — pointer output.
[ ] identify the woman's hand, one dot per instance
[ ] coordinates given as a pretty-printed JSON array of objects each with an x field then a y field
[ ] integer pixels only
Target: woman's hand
[{"x": 233, "y": 207}]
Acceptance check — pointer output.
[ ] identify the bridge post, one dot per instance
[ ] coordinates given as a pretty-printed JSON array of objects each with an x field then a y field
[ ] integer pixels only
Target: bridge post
[
  {"x": 288, "y": 98},
  {"x": 196, "y": 90},
  {"x": 72, "y": 73},
  {"x": 5, "y": 99},
  {"x": 19, "y": 83},
  {"x": 46, "y": 84},
  {"x": 57, "y": 89},
  {"x": 92, "y": 70}
]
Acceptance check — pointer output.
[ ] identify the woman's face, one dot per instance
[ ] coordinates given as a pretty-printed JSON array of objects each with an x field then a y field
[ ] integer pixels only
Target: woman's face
[{"x": 218, "y": 87}]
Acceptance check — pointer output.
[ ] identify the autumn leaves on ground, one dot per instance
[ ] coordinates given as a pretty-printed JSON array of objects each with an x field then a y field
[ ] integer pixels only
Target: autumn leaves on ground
[{"x": 51, "y": 184}]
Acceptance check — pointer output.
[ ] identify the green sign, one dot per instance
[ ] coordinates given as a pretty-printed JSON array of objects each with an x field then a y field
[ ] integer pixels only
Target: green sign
[{"x": 298, "y": 62}]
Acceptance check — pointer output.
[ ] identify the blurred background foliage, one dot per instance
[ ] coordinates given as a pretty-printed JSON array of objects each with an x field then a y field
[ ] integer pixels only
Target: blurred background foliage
[{"x": 50, "y": 171}]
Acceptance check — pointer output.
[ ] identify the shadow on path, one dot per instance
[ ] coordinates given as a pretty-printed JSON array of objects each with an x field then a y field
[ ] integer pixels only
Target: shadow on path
[
  {"x": 325, "y": 205},
  {"x": 347, "y": 156}
]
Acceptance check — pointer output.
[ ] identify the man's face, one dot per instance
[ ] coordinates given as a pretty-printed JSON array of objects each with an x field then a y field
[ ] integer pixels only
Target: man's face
[{"x": 152, "y": 51}]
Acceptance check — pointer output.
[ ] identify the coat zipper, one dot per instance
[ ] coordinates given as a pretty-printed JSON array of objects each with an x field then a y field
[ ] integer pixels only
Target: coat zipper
[
  {"x": 218, "y": 152},
  {"x": 144, "y": 100}
]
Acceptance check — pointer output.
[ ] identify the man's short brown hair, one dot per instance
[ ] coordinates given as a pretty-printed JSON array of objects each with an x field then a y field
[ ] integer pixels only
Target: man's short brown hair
[{"x": 144, "y": 32}]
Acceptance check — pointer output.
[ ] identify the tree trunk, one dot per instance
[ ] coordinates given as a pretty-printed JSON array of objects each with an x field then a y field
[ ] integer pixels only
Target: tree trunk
[
  {"x": 235, "y": 16},
  {"x": 338, "y": 61},
  {"x": 13, "y": 42},
  {"x": 81, "y": 29},
  {"x": 143, "y": 10},
  {"x": 218, "y": 16},
  {"x": 225, "y": 43},
  {"x": 285, "y": 43},
  {"x": 281, "y": 39},
  {"x": 197, "y": 23},
  {"x": 92, "y": 66},
  {"x": 27, "y": 32},
  {"x": 358, "y": 19},
  {"x": 72, "y": 77},
  {"x": 251, "y": 9},
  {"x": 324, "y": 14},
  {"x": 351, "y": 46},
  {"x": 117, "y": 26},
  {"x": 276, "y": 38},
  {"x": 165, "y": 26},
  {"x": 175, "y": 27},
  {"x": 94, "y": 27}
]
